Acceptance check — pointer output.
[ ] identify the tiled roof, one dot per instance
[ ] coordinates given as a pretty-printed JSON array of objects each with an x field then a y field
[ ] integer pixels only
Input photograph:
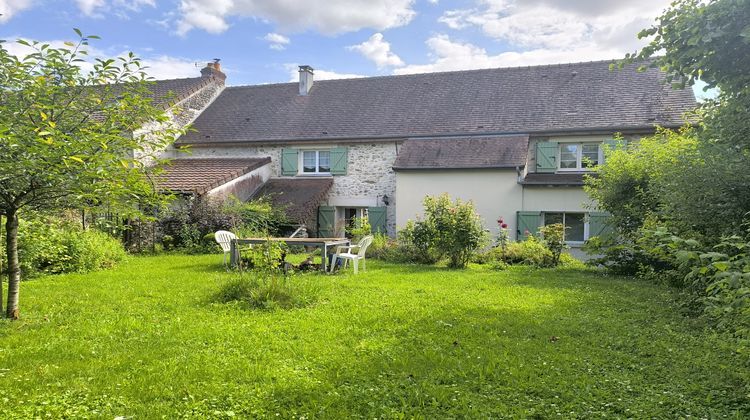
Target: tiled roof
[
  {"x": 542, "y": 99},
  {"x": 167, "y": 92},
  {"x": 198, "y": 176},
  {"x": 299, "y": 197},
  {"x": 463, "y": 153},
  {"x": 569, "y": 179}
]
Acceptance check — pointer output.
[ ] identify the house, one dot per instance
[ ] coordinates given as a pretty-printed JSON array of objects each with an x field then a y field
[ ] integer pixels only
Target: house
[{"x": 516, "y": 141}]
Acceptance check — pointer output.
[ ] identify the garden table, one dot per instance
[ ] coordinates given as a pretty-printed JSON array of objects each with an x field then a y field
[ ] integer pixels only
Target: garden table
[{"x": 323, "y": 243}]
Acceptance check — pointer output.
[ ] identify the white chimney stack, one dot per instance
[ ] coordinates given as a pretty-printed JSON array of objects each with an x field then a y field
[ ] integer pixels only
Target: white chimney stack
[{"x": 305, "y": 79}]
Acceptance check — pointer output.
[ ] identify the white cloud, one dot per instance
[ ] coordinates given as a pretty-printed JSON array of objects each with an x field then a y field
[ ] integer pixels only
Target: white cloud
[
  {"x": 8, "y": 8},
  {"x": 293, "y": 70},
  {"x": 276, "y": 41},
  {"x": 325, "y": 16},
  {"x": 449, "y": 55},
  {"x": 559, "y": 24},
  {"x": 378, "y": 51},
  {"x": 158, "y": 67},
  {"x": 167, "y": 67},
  {"x": 119, "y": 7}
]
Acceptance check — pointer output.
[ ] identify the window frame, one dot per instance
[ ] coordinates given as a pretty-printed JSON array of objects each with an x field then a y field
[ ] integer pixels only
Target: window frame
[
  {"x": 318, "y": 172},
  {"x": 579, "y": 156},
  {"x": 586, "y": 231}
]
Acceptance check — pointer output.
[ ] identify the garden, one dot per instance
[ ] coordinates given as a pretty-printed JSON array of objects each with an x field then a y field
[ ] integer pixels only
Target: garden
[{"x": 128, "y": 310}]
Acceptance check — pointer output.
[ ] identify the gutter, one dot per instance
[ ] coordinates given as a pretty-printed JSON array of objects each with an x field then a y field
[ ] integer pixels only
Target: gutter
[{"x": 387, "y": 138}]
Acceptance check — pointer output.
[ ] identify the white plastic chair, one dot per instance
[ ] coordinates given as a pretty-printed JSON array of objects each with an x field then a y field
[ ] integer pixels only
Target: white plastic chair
[
  {"x": 224, "y": 239},
  {"x": 361, "y": 248}
]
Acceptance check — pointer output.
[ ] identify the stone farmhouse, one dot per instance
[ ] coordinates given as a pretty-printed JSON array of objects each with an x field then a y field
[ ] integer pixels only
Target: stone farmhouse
[{"x": 516, "y": 141}]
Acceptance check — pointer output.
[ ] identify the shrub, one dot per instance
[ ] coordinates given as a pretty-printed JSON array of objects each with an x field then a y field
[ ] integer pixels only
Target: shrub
[
  {"x": 359, "y": 228},
  {"x": 415, "y": 245},
  {"x": 52, "y": 246},
  {"x": 456, "y": 228},
  {"x": 532, "y": 251},
  {"x": 554, "y": 239},
  {"x": 381, "y": 246}
]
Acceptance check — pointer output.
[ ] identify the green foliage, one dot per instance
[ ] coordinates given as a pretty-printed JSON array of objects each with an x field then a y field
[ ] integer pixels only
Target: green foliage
[
  {"x": 49, "y": 246},
  {"x": 415, "y": 245},
  {"x": 532, "y": 251},
  {"x": 638, "y": 182},
  {"x": 455, "y": 229},
  {"x": 554, "y": 239},
  {"x": 72, "y": 138},
  {"x": 187, "y": 223},
  {"x": 266, "y": 292},
  {"x": 701, "y": 40},
  {"x": 266, "y": 257},
  {"x": 360, "y": 227}
]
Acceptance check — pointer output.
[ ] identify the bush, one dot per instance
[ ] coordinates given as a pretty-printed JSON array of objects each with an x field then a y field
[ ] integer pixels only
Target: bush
[
  {"x": 266, "y": 292},
  {"x": 532, "y": 251},
  {"x": 415, "y": 245},
  {"x": 456, "y": 228},
  {"x": 188, "y": 224},
  {"x": 554, "y": 239},
  {"x": 51, "y": 246}
]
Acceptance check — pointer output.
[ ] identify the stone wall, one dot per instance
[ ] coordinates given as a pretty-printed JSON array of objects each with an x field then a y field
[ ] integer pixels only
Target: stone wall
[{"x": 369, "y": 172}]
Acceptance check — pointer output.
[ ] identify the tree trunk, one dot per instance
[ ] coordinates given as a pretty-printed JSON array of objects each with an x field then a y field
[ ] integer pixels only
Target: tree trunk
[
  {"x": 14, "y": 269},
  {"x": 1, "y": 264}
]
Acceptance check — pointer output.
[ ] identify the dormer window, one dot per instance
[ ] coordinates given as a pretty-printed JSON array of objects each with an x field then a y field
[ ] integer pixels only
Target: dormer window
[
  {"x": 579, "y": 156},
  {"x": 316, "y": 162}
]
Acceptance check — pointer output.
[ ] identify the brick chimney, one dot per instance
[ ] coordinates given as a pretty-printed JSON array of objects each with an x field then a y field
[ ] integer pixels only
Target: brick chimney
[
  {"x": 305, "y": 80},
  {"x": 213, "y": 69}
]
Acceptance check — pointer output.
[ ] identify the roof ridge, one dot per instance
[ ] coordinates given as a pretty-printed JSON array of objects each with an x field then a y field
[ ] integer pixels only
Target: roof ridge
[{"x": 388, "y": 76}]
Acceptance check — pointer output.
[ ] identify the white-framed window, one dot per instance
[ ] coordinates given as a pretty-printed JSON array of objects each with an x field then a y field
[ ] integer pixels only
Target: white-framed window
[
  {"x": 315, "y": 162},
  {"x": 579, "y": 156},
  {"x": 576, "y": 225}
]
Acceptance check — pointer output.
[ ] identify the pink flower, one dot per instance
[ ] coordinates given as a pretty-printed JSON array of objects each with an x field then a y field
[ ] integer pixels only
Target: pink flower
[{"x": 504, "y": 226}]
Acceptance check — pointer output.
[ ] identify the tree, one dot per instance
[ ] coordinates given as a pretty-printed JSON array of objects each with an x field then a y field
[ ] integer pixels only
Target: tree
[
  {"x": 701, "y": 189},
  {"x": 71, "y": 137}
]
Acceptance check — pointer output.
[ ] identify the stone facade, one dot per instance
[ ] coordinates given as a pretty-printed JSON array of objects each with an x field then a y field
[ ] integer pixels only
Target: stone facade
[{"x": 369, "y": 176}]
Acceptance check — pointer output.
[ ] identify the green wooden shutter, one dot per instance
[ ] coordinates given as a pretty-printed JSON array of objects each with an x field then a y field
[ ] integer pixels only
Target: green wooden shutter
[
  {"x": 289, "y": 162},
  {"x": 527, "y": 221},
  {"x": 339, "y": 160},
  {"x": 326, "y": 221},
  {"x": 599, "y": 224},
  {"x": 546, "y": 156},
  {"x": 377, "y": 218}
]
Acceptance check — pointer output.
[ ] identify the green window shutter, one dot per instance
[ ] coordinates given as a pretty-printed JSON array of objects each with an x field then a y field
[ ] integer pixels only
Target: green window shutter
[
  {"x": 339, "y": 160},
  {"x": 546, "y": 156},
  {"x": 527, "y": 221},
  {"x": 289, "y": 162},
  {"x": 326, "y": 221},
  {"x": 377, "y": 218},
  {"x": 599, "y": 224}
]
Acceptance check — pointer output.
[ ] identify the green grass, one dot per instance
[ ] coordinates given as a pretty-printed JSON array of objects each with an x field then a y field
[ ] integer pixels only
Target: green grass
[{"x": 398, "y": 341}]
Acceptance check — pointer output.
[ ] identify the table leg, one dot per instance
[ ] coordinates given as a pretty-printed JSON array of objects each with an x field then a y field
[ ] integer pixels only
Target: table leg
[
  {"x": 325, "y": 258},
  {"x": 234, "y": 256}
]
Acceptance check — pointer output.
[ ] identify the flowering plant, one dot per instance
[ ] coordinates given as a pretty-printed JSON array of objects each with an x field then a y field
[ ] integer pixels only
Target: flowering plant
[{"x": 502, "y": 237}]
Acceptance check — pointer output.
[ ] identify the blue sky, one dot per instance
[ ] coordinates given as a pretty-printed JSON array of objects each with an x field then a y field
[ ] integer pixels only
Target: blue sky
[{"x": 263, "y": 41}]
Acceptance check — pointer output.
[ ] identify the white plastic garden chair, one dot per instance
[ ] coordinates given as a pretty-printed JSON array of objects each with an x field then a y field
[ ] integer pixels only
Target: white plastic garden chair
[
  {"x": 350, "y": 255},
  {"x": 224, "y": 239}
]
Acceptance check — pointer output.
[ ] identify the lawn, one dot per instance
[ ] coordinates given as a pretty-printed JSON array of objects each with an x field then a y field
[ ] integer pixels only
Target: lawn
[{"x": 145, "y": 340}]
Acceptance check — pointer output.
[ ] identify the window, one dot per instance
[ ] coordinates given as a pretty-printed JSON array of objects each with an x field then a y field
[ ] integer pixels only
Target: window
[
  {"x": 316, "y": 162},
  {"x": 576, "y": 229},
  {"x": 579, "y": 156}
]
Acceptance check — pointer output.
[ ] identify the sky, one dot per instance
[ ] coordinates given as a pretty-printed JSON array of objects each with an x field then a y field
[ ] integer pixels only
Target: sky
[{"x": 264, "y": 41}]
